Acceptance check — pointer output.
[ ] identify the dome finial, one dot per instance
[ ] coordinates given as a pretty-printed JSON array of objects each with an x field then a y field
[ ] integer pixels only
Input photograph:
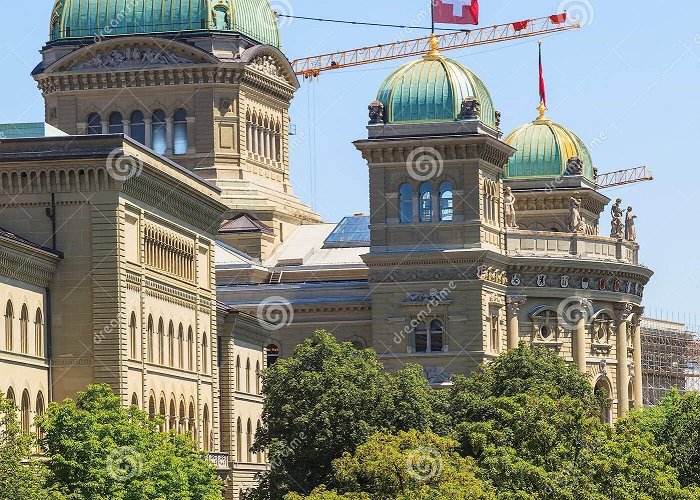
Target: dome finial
[
  {"x": 434, "y": 52},
  {"x": 541, "y": 109}
]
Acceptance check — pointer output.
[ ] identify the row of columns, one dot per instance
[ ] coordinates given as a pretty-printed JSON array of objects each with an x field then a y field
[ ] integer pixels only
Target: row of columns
[
  {"x": 148, "y": 126},
  {"x": 263, "y": 142},
  {"x": 627, "y": 316}
]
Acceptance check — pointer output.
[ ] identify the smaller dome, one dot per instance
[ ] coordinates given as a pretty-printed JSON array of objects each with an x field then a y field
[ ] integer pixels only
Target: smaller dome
[
  {"x": 544, "y": 149},
  {"x": 431, "y": 89}
]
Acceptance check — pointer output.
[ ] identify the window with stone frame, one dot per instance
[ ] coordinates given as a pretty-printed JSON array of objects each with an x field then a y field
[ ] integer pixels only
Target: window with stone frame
[
  {"x": 495, "y": 331},
  {"x": 602, "y": 331},
  {"x": 429, "y": 336},
  {"x": 546, "y": 329}
]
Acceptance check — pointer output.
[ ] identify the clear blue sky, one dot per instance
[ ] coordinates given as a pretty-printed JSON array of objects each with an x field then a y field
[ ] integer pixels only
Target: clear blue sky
[{"x": 629, "y": 83}]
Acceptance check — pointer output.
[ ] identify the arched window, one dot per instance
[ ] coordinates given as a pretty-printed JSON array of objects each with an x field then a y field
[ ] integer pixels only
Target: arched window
[
  {"x": 9, "y": 318},
  {"x": 159, "y": 143},
  {"x": 545, "y": 325},
  {"x": 247, "y": 375},
  {"x": 428, "y": 337},
  {"x": 24, "y": 330},
  {"x": 116, "y": 125},
  {"x": 11, "y": 396},
  {"x": 191, "y": 421},
  {"x": 257, "y": 435},
  {"x": 257, "y": 377},
  {"x": 426, "y": 202},
  {"x": 190, "y": 349},
  {"x": 171, "y": 344},
  {"x": 181, "y": 427},
  {"x": 272, "y": 354},
  {"x": 132, "y": 336},
  {"x": 172, "y": 423},
  {"x": 206, "y": 437},
  {"x": 138, "y": 127},
  {"x": 406, "y": 203},
  {"x": 249, "y": 442},
  {"x": 39, "y": 333},
  {"x": 180, "y": 132},
  {"x": 151, "y": 408},
  {"x": 603, "y": 391},
  {"x": 238, "y": 373},
  {"x": 205, "y": 354},
  {"x": 134, "y": 400},
  {"x": 181, "y": 346},
  {"x": 161, "y": 411},
  {"x": 150, "y": 339},
  {"x": 446, "y": 202},
  {"x": 25, "y": 413},
  {"x": 239, "y": 441},
  {"x": 94, "y": 124},
  {"x": 161, "y": 341},
  {"x": 40, "y": 409}
]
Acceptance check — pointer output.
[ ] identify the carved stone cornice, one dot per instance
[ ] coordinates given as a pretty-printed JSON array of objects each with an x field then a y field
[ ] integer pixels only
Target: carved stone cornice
[
  {"x": 25, "y": 266},
  {"x": 388, "y": 151}
]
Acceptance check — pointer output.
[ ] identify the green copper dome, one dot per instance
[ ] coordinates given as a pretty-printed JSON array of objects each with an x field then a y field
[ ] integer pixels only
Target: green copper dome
[
  {"x": 254, "y": 19},
  {"x": 544, "y": 149},
  {"x": 431, "y": 89}
]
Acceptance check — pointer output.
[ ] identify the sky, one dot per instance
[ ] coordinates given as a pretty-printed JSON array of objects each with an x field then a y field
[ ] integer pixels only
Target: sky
[{"x": 628, "y": 83}]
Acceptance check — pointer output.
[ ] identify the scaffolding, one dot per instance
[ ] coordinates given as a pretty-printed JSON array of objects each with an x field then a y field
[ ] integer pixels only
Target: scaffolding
[{"x": 670, "y": 358}]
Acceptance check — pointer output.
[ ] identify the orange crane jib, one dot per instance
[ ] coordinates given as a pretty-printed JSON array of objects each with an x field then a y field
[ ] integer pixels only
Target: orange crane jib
[
  {"x": 624, "y": 177},
  {"x": 310, "y": 67}
]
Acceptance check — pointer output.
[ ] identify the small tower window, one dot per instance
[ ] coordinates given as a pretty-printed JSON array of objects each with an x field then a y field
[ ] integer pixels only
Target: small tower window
[
  {"x": 116, "y": 125},
  {"x": 446, "y": 202},
  {"x": 180, "y": 132},
  {"x": 138, "y": 127},
  {"x": 94, "y": 124},
  {"x": 426, "y": 202},
  {"x": 405, "y": 204},
  {"x": 160, "y": 135}
]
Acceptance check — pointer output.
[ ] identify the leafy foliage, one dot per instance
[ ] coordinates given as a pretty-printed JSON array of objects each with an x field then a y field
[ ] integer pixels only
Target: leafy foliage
[{"x": 100, "y": 450}]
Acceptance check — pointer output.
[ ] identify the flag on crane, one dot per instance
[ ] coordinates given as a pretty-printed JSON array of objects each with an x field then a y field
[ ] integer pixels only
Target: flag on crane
[{"x": 456, "y": 11}]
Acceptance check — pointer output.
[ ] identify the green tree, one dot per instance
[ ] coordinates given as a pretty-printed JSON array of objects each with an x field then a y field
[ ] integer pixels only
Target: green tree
[
  {"x": 100, "y": 450},
  {"x": 20, "y": 477},
  {"x": 407, "y": 466},
  {"x": 326, "y": 400},
  {"x": 675, "y": 423}
]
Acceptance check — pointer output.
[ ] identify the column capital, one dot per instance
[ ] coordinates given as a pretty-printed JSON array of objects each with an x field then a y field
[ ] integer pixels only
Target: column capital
[
  {"x": 623, "y": 311},
  {"x": 514, "y": 303}
]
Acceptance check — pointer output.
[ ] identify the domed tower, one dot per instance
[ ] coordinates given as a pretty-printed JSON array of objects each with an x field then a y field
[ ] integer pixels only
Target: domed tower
[
  {"x": 202, "y": 82},
  {"x": 435, "y": 174},
  {"x": 551, "y": 164}
]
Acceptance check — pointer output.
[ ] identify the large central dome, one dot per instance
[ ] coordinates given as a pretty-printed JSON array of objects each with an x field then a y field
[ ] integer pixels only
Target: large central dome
[{"x": 253, "y": 19}]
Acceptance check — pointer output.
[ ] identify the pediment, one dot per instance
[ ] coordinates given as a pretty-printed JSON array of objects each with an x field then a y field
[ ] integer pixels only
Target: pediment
[
  {"x": 131, "y": 53},
  {"x": 271, "y": 62}
]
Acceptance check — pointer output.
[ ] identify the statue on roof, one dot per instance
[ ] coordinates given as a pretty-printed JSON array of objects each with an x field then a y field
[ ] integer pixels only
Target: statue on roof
[
  {"x": 376, "y": 112},
  {"x": 617, "y": 229},
  {"x": 630, "y": 230},
  {"x": 574, "y": 166},
  {"x": 471, "y": 109},
  {"x": 575, "y": 221},
  {"x": 509, "y": 205}
]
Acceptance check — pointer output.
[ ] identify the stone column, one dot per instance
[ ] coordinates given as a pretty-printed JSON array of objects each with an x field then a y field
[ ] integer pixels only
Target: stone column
[
  {"x": 148, "y": 122},
  {"x": 637, "y": 357},
  {"x": 622, "y": 313},
  {"x": 513, "y": 304},
  {"x": 105, "y": 127},
  {"x": 169, "y": 135},
  {"x": 127, "y": 127},
  {"x": 191, "y": 137},
  {"x": 579, "y": 341}
]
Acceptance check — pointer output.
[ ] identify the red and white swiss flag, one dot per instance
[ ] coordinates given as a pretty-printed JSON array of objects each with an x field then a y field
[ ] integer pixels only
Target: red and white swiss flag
[{"x": 456, "y": 11}]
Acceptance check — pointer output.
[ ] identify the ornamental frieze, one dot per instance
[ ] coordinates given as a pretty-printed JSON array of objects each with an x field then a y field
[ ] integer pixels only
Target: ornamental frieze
[
  {"x": 565, "y": 281},
  {"x": 133, "y": 57}
]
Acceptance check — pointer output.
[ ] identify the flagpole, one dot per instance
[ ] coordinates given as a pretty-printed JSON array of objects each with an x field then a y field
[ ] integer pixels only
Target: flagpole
[{"x": 432, "y": 16}]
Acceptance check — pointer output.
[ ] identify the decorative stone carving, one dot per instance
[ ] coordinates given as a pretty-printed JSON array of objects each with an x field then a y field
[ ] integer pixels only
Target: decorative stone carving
[
  {"x": 267, "y": 64},
  {"x": 574, "y": 166},
  {"x": 471, "y": 109},
  {"x": 617, "y": 228},
  {"x": 376, "y": 112},
  {"x": 514, "y": 303},
  {"x": 575, "y": 221},
  {"x": 225, "y": 105},
  {"x": 133, "y": 57},
  {"x": 497, "y": 117},
  {"x": 603, "y": 366},
  {"x": 630, "y": 230},
  {"x": 509, "y": 207},
  {"x": 493, "y": 275},
  {"x": 623, "y": 312},
  {"x": 437, "y": 375},
  {"x": 429, "y": 296}
]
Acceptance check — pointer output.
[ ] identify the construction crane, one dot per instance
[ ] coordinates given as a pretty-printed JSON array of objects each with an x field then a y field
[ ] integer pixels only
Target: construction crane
[
  {"x": 310, "y": 67},
  {"x": 624, "y": 177}
]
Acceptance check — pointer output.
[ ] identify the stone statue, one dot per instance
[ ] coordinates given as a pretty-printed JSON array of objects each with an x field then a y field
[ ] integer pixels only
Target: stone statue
[
  {"x": 471, "y": 109},
  {"x": 376, "y": 112},
  {"x": 221, "y": 16},
  {"x": 574, "y": 166},
  {"x": 497, "y": 117},
  {"x": 575, "y": 221},
  {"x": 617, "y": 228},
  {"x": 509, "y": 205},
  {"x": 630, "y": 230}
]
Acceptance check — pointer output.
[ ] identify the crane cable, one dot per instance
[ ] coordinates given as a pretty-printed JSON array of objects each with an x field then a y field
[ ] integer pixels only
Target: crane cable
[{"x": 361, "y": 23}]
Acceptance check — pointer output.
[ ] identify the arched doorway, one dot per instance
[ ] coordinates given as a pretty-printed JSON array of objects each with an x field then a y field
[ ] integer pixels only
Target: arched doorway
[{"x": 603, "y": 393}]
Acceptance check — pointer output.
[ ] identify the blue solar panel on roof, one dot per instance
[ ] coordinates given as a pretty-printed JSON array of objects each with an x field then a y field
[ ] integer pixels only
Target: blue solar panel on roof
[{"x": 351, "y": 232}]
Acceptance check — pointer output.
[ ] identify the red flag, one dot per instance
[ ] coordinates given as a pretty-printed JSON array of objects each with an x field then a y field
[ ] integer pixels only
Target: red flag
[
  {"x": 543, "y": 91},
  {"x": 520, "y": 25},
  {"x": 456, "y": 11},
  {"x": 558, "y": 18}
]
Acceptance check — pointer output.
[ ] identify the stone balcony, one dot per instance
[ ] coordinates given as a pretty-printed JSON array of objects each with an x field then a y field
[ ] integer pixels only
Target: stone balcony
[
  {"x": 521, "y": 243},
  {"x": 220, "y": 461}
]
